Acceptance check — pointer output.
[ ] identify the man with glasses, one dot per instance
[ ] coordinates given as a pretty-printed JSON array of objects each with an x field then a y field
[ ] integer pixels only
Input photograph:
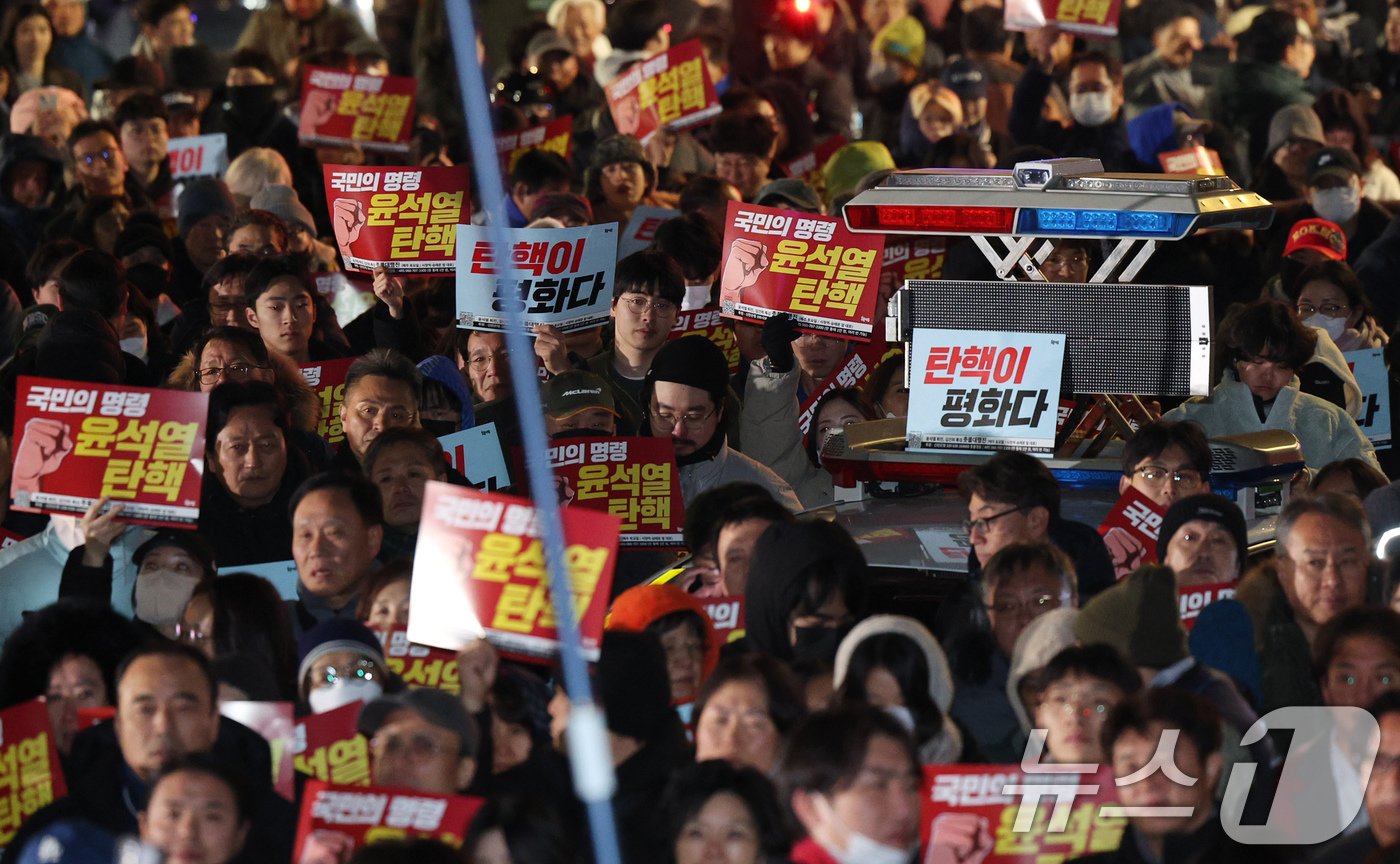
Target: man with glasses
[
  {"x": 1203, "y": 539},
  {"x": 1166, "y": 461},
  {"x": 98, "y": 161},
  {"x": 685, "y": 392},
  {"x": 382, "y": 391},
  {"x": 1013, "y": 498},
  {"x": 422, "y": 740},
  {"x": 647, "y": 292}
]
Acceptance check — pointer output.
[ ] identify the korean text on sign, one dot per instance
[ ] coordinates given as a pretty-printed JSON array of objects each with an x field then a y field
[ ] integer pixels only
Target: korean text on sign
[
  {"x": 328, "y": 747},
  {"x": 79, "y": 442},
  {"x": 808, "y": 266},
  {"x": 327, "y": 381},
  {"x": 669, "y": 90},
  {"x": 479, "y": 565},
  {"x": 553, "y": 137},
  {"x": 30, "y": 774},
  {"x": 563, "y": 277},
  {"x": 420, "y": 665},
  {"x": 198, "y": 156},
  {"x": 634, "y": 479},
  {"x": 1130, "y": 532},
  {"x": 336, "y": 819},
  {"x": 983, "y": 390},
  {"x": 710, "y": 323},
  {"x": 1091, "y": 17},
  {"x": 372, "y": 111},
  {"x": 404, "y": 219}
]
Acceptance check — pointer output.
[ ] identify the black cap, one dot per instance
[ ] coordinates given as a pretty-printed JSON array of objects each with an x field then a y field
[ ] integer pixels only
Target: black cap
[
  {"x": 1333, "y": 162},
  {"x": 435, "y": 706},
  {"x": 186, "y": 541},
  {"x": 966, "y": 78}
]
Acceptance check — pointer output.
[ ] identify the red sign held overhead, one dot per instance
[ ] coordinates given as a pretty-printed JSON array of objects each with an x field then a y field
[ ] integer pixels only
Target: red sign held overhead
[
  {"x": 404, "y": 219},
  {"x": 340, "y": 108}
]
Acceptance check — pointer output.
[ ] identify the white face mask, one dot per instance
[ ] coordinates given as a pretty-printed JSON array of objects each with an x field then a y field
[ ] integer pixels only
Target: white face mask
[
  {"x": 161, "y": 596},
  {"x": 135, "y": 346},
  {"x": 1334, "y": 327},
  {"x": 1337, "y": 205},
  {"x": 1091, "y": 109},
  {"x": 902, "y": 714},
  {"x": 696, "y": 297},
  {"x": 861, "y": 849},
  {"x": 342, "y": 693}
]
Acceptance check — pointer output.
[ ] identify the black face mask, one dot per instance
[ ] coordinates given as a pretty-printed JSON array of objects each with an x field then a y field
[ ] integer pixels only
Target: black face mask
[
  {"x": 150, "y": 279},
  {"x": 818, "y": 643},
  {"x": 440, "y": 428},
  {"x": 250, "y": 100}
]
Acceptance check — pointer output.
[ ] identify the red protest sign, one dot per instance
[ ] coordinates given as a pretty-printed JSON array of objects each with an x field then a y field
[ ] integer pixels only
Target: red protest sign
[
  {"x": 327, "y": 380},
  {"x": 854, "y": 371},
  {"x": 336, "y": 820},
  {"x": 709, "y": 322},
  {"x": 328, "y": 747},
  {"x": 404, "y": 219},
  {"x": 30, "y": 774},
  {"x": 1194, "y": 598},
  {"x": 634, "y": 479},
  {"x": 1088, "y": 17},
  {"x": 140, "y": 446},
  {"x": 273, "y": 721},
  {"x": 1130, "y": 532},
  {"x": 1192, "y": 160},
  {"x": 670, "y": 90},
  {"x": 808, "y": 166},
  {"x": 342, "y": 108},
  {"x": 555, "y": 136},
  {"x": 806, "y": 265},
  {"x": 909, "y": 258},
  {"x": 478, "y": 570},
  {"x": 419, "y": 665},
  {"x": 727, "y": 617},
  {"x": 962, "y": 802}
]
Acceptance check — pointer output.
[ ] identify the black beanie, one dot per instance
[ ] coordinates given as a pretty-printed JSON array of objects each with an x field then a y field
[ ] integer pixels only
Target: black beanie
[
  {"x": 1210, "y": 508},
  {"x": 634, "y": 685},
  {"x": 694, "y": 361}
]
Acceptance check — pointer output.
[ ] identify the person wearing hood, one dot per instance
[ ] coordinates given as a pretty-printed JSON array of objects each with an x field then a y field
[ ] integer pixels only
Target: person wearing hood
[
  {"x": 685, "y": 395},
  {"x": 679, "y": 621},
  {"x": 1097, "y": 127},
  {"x": 807, "y": 589},
  {"x": 436, "y": 410},
  {"x": 251, "y": 115},
  {"x": 31, "y": 185},
  {"x": 1037, "y": 645},
  {"x": 894, "y": 663}
]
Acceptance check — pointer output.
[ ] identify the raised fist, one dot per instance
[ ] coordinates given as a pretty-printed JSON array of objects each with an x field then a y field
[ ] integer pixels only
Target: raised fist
[
  {"x": 40, "y": 452},
  {"x": 348, "y": 219},
  {"x": 746, "y": 262},
  {"x": 958, "y": 838}
]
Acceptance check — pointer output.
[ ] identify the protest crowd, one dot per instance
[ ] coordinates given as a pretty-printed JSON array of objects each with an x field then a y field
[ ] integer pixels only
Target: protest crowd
[{"x": 270, "y": 259}]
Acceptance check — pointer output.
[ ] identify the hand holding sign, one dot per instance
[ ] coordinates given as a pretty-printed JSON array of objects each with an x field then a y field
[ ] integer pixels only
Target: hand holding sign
[
  {"x": 100, "y": 530},
  {"x": 348, "y": 220},
  {"x": 552, "y": 350},
  {"x": 747, "y": 261},
  {"x": 40, "y": 452},
  {"x": 476, "y": 669},
  {"x": 958, "y": 838},
  {"x": 388, "y": 288}
]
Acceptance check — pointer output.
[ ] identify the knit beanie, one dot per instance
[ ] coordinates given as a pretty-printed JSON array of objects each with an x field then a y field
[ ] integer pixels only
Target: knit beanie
[
  {"x": 849, "y": 165},
  {"x": 1209, "y": 508},
  {"x": 202, "y": 197},
  {"x": 694, "y": 361},
  {"x": 337, "y": 634},
  {"x": 1139, "y": 616}
]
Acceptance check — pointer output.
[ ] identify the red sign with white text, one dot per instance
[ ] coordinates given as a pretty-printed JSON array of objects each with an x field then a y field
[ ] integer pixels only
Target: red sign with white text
[
  {"x": 1130, "y": 532},
  {"x": 554, "y": 136},
  {"x": 340, "y": 108},
  {"x": 329, "y": 747},
  {"x": 479, "y": 571},
  {"x": 420, "y": 665},
  {"x": 30, "y": 774},
  {"x": 337, "y": 820},
  {"x": 1194, "y": 598},
  {"x": 1192, "y": 160},
  {"x": 140, "y": 446},
  {"x": 853, "y": 372},
  {"x": 804, "y": 264},
  {"x": 669, "y": 90},
  {"x": 634, "y": 479},
  {"x": 403, "y": 219},
  {"x": 727, "y": 617}
]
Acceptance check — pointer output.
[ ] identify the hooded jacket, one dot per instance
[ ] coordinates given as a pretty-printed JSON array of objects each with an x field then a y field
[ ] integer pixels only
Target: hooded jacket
[
  {"x": 25, "y": 226},
  {"x": 638, "y": 607},
  {"x": 1037, "y": 645}
]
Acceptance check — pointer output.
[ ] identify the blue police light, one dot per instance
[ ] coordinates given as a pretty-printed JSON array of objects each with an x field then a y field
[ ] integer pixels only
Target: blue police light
[{"x": 1111, "y": 223}]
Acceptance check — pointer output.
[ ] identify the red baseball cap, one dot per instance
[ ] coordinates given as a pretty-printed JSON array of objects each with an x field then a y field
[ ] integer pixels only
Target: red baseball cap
[{"x": 1318, "y": 235}]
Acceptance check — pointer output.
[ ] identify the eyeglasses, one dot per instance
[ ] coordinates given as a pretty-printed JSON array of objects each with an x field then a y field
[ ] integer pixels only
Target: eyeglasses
[
  {"x": 1082, "y": 704},
  {"x": 419, "y": 748},
  {"x": 1331, "y": 310},
  {"x": 1032, "y": 605},
  {"x": 691, "y": 421},
  {"x": 640, "y": 304},
  {"x": 396, "y": 414},
  {"x": 223, "y": 307},
  {"x": 189, "y": 634},
  {"x": 985, "y": 522},
  {"x": 362, "y": 670},
  {"x": 1157, "y": 476},
  {"x": 105, "y": 155},
  {"x": 232, "y": 370}
]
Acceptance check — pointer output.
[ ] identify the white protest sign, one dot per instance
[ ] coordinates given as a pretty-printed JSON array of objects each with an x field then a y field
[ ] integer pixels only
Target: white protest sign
[
  {"x": 641, "y": 229},
  {"x": 1368, "y": 365},
  {"x": 984, "y": 390},
  {"x": 198, "y": 156},
  {"x": 565, "y": 277},
  {"x": 282, "y": 575},
  {"x": 476, "y": 454}
]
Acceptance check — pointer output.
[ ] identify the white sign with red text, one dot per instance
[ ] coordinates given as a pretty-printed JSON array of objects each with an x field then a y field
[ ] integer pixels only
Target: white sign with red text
[{"x": 198, "y": 156}]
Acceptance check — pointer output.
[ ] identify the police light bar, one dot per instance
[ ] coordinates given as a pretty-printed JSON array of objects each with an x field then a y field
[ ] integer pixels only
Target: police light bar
[{"x": 1055, "y": 198}]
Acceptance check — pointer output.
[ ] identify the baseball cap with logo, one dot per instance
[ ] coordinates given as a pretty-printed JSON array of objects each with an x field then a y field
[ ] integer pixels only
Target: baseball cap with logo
[
  {"x": 966, "y": 78},
  {"x": 1318, "y": 235},
  {"x": 574, "y": 392},
  {"x": 1333, "y": 162}
]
